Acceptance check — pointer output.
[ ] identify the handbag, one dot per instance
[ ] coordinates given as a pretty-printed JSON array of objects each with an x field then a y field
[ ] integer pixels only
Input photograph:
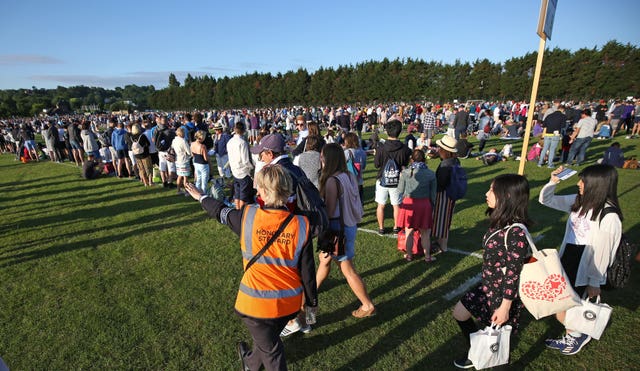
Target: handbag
[
  {"x": 171, "y": 155},
  {"x": 589, "y": 318},
  {"x": 331, "y": 241},
  {"x": 490, "y": 347},
  {"x": 544, "y": 287}
]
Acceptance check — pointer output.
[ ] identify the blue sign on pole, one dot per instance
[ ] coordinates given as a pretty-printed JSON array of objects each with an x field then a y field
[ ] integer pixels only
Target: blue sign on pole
[{"x": 547, "y": 15}]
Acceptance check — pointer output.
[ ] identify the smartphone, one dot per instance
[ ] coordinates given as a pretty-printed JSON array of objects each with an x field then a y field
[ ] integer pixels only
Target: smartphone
[{"x": 566, "y": 174}]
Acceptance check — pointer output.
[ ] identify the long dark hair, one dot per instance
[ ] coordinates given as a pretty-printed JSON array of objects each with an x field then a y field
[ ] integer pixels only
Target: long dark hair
[
  {"x": 512, "y": 201},
  {"x": 334, "y": 162},
  {"x": 600, "y": 187}
]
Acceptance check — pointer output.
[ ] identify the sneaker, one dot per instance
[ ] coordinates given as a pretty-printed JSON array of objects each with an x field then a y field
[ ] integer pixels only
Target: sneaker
[
  {"x": 627, "y": 137},
  {"x": 574, "y": 344},
  {"x": 381, "y": 232},
  {"x": 243, "y": 349},
  {"x": 463, "y": 363},
  {"x": 291, "y": 328},
  {"x": 396, "y": 230},
  {"x": 558, "y": 344},
  {"x": 305, "y": 329}
]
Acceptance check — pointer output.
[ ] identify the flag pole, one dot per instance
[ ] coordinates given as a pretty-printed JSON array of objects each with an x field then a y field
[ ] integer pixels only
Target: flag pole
[{"x": 532, "y": 105}]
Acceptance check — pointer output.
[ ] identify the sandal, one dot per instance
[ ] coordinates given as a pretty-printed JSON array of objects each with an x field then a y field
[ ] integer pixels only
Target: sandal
[
  {"x": 408, "y": 257},
  {"x": 429, "y": 259},
  {"x": 361, "y": 313}
]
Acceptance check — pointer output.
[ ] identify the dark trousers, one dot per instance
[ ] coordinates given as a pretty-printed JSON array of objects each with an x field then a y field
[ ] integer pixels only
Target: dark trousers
[{"x": 268, "y": 349}]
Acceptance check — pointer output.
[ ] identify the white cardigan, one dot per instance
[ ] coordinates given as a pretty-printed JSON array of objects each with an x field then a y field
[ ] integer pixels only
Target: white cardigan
[{"x": 604, "y": 238}]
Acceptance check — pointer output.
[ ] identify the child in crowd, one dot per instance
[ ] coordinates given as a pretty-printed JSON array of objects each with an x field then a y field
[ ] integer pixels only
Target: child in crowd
[
  {"x": 107, "y": 160},
  {"x": 422, "y": 142},
  {"x": 507, "y": 151},
  {"x": 604, "y": 132},
  {"x": 566, "y": 145},
  {"x": 535, "y": 151}
]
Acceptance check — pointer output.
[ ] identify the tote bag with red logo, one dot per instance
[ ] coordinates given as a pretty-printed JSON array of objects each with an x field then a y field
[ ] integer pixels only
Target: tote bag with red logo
[{"x": 544, "y": 286}]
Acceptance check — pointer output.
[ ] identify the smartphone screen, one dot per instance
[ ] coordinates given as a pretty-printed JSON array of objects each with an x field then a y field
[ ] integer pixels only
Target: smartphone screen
[{"x": 566, "y": 174}]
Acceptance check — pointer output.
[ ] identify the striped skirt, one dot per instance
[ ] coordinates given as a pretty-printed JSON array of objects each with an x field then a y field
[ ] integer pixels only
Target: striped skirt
[{"x": 442, "y": 214}]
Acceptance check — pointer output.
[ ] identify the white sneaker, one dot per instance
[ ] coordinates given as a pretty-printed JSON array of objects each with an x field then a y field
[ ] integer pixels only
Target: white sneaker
[{"x": 291, "y": 328}]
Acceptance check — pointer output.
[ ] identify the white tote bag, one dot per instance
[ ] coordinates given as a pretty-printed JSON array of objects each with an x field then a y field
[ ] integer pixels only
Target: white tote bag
[
  {"x": 490, "y": 347},
  {"x": 544, "y": 286},
  {"x": 588, "y": 318}
]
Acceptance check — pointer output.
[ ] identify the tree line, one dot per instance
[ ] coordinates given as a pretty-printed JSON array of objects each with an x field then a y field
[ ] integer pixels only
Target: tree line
[{"x": 610, "y": 71}]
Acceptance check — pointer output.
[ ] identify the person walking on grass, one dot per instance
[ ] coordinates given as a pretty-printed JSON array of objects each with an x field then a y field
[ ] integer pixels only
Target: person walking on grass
[
  {"x": 495, "y": 300},
  {"x": 339, "y": 188},
  {"x": 275, "y": 281},
  {"x": 592, "y": 235}
]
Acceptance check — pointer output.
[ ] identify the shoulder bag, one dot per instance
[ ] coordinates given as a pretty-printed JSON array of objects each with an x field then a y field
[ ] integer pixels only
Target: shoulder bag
[
  {"x": 331, "y": 241},
  {"x": 544, "y": 287}
]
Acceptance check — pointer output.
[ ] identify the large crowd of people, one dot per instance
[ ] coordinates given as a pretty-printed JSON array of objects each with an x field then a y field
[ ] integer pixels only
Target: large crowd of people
[{"x": 263, "y": 154}]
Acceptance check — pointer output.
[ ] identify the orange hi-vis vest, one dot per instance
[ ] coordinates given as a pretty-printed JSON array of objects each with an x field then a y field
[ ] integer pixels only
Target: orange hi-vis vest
[{"x": 272, "y": 287}]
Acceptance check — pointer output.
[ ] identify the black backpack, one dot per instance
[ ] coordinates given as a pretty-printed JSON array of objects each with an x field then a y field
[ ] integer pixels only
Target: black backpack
[
  {"x": 619, "y": 270},
  {"x": 163, "y": 143},
  {"x": 390, "y": 174},
  {"x": 310, "y": 204}
]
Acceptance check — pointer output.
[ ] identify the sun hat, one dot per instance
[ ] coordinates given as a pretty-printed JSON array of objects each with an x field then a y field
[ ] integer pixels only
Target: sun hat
[{"x": 448, "y": 144}]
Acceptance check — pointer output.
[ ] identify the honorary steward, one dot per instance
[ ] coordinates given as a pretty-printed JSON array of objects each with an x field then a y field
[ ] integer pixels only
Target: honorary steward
[{"x": 272, "y": 288}]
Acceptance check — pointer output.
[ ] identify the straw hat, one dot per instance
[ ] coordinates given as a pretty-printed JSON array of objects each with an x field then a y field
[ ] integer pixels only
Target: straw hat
[{"x": 448, "y": 144}]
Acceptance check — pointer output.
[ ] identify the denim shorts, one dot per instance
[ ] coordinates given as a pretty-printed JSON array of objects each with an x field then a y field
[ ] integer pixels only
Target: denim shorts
[{"x": 350, "y": 240}]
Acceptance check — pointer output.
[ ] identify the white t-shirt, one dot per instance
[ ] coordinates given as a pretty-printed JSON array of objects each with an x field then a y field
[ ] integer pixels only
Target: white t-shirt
[
  {"x": 578, "y": 233},
  {"x": 587, "y": 125}
]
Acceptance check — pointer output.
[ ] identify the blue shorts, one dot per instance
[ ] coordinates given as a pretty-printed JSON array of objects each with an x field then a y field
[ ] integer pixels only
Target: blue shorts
[{"x": 243, "y": 189}]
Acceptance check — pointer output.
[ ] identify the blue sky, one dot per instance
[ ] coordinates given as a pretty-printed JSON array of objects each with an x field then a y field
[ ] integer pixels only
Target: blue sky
[{"x": 114, "y": 43}]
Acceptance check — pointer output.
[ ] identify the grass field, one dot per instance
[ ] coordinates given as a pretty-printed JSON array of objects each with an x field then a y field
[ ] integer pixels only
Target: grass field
[{"x": 106, "y": 274}]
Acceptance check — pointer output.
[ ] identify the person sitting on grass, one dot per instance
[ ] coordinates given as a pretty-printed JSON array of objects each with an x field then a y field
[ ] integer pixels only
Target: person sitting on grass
[
  {"x": 613, "y": 156},
  {"x": 90, "y": 168}
]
